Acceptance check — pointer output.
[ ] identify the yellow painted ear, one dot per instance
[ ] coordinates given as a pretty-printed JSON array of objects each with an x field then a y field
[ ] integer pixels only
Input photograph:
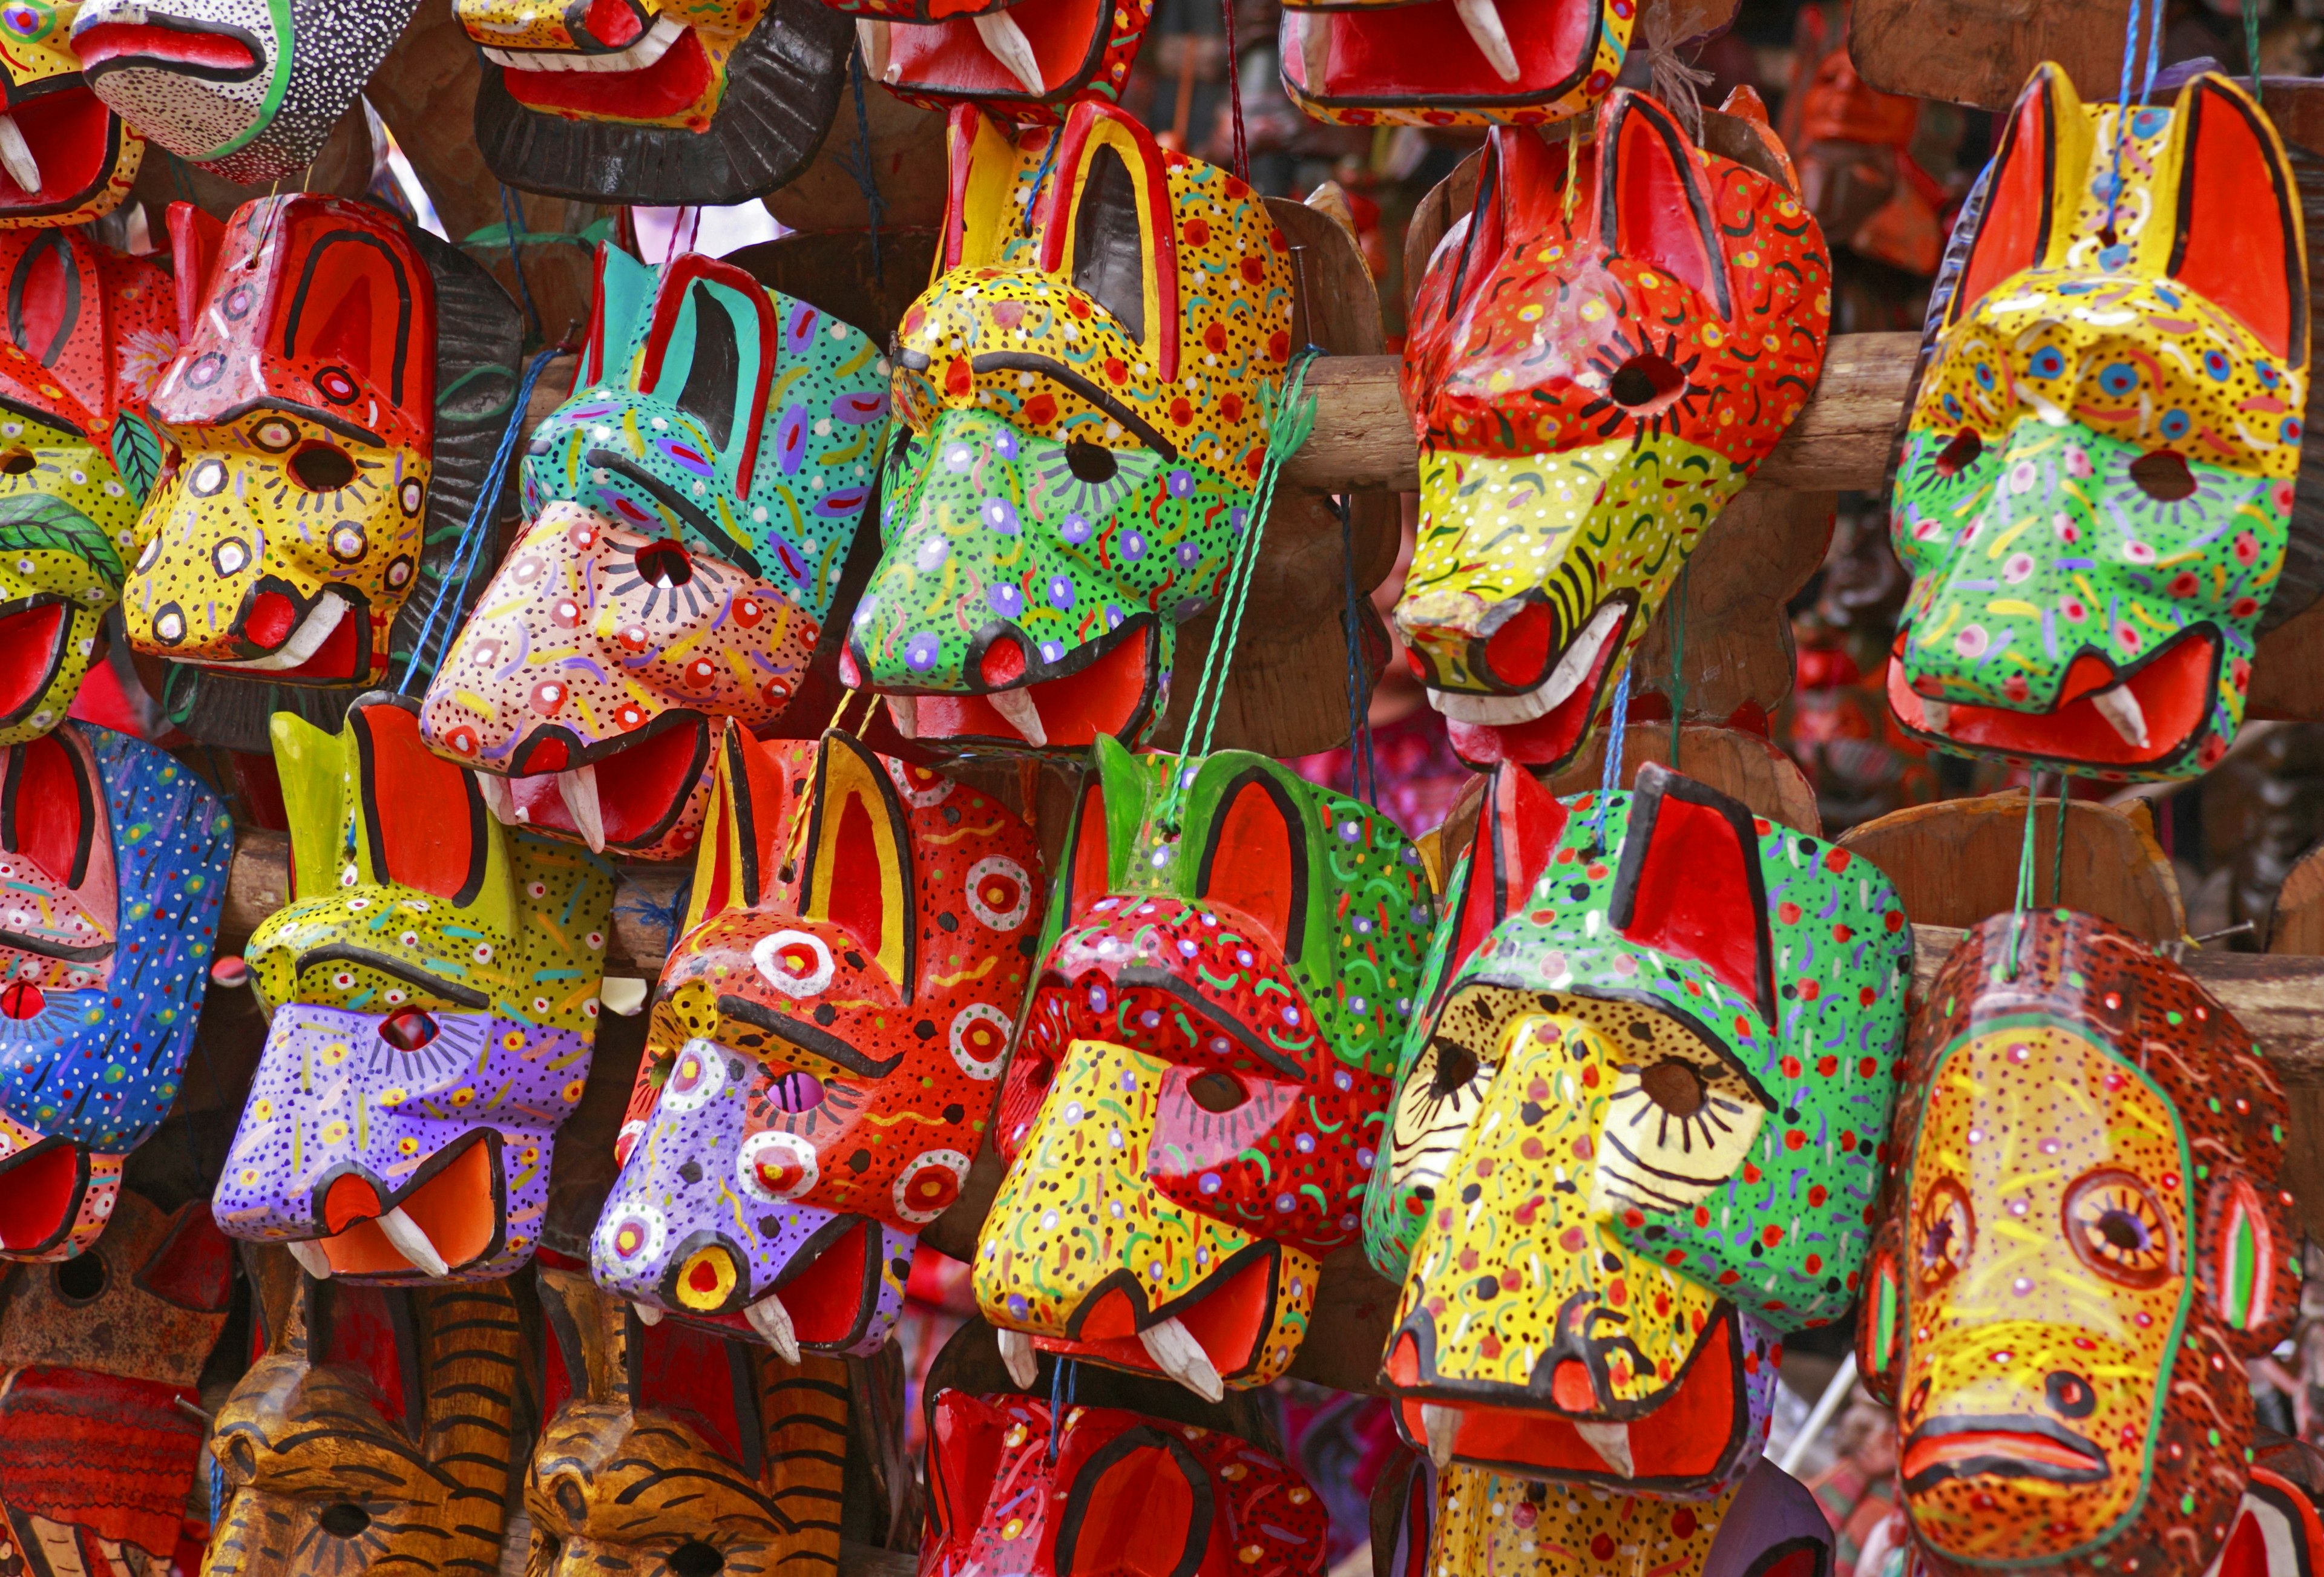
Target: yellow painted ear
[
  {"x": 2033, "y": 189},
  {"x": 978, "y": 214},
  {"x": 420, "y": 822},
  {"x": 313, "y": 767},
  {"x": 1109, "y": 220},
  {"x": 859, "y": 874}
]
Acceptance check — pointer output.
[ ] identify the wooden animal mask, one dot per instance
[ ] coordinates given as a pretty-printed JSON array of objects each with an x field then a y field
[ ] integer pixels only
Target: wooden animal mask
[
  {"x": 432, "y": 993},
  {"x": 1590, "y": 391},
  {"x": 671, "y": 1450},
  {"x": 67, "y": 157},
  {"x": 343, "y": 388},
  {"x": 1013, "y": 1488},
  {"x": 1201, "y": 1081},
  {"x": 2095, "y": 494},
  {"x": 100, "y": 1427},
  {"x": 1470, "y": 1519},
  {"x": 1452, "y": 62},
  {"x": 1084, "y": 395},
  {"x": 114, "y": 861},
  {"x": 646, "y": 101},
  {"x": 826, "y": 1043},
  {"x": 247, "y": 88},
  {"x": 692, "y": 508},
  {"x": 1636, "y": 1141},
  {"x": 2086, "y": 1239},
  {"x": 1025, "y": 60},
  {"x": 378, "y": 1430},
  {"x": 88, "y": 333}
]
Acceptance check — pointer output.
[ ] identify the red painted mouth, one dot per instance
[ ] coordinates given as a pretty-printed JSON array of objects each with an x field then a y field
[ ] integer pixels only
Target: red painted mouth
[
  {"x": 215, "y": 57},
  {"x": 40, "y": 1194},
  {"x": 1112, "y": 694},
  {"x": 2173, "y": 689},
  {"x": 1997, "y": 1448},
  {"x": 672, "y": 84},
  {"x": 32, "y": 651},
  {"x": 1229, "y": 1322},
  {"x": 1552, "y": 739},
  {"x": 73, "y": 137},
  {"x": 458, "y": 1207},
  {"x": 1423, "y": 54},
  {"x": 642, "y": 787}
]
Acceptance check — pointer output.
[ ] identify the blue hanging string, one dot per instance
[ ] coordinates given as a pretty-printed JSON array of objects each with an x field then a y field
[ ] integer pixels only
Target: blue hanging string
[
  {"x": 217, "y": 1491},
  {"x": 1617, "y": 731},
  {"x": 515, "y": 222},
  {"x": 861, "y": 167},
  {"x": 2122, "y": 117},
  {"x": 1064, "y": 1372},
  {"x": 1033, "y": 200},
  {"x": 478, "y": 530}
]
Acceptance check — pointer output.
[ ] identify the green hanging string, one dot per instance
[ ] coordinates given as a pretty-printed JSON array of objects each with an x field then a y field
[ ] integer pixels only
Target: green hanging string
[
  {"x": 2058, "y": 852},
  {"x": 2025, "y": 898},
  {"x": 2251, "y": 44}
]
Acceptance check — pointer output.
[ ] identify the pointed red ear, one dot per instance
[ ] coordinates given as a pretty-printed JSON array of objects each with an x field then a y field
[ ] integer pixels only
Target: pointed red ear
[
  {"x": 1140, "y": 1506},
  {"x": 706, "y": 1381},
  {"x": 1651, "y": 204},
  {"x": 194, "y": 241},
  {"x": 1256, "y": 859},
  {"x": 747, "y": 834},
  {"x": 412, "y": 804},
  {"x": 2238, "y": 239},
  {"x": 1688, "y": 884},
  {"x": 47, "y": 809},
  {"x": 965, "y": 1452},
  {"x": 1089, "y": 870},
  {"x": 2013, "y": 233},
  {"x": 1516, "y": 835},
  {"x": 859, "y": 874}
]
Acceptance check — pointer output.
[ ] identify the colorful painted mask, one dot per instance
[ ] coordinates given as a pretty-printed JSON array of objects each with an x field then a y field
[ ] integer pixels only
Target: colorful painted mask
[
  {"x": 1196, "y": 1097},
  {"x": 247, "y": 88},
  {"x": 1452, "y": 62},
  {"x": 376, "y": 1431},
  {"x": 78, "y": 457},
  {"x": 669, "y": 1449},
  {"x": 2095, "y": 493},
  {"x": 70, "y": 159},
  {"x": 1025, "y": 60},
  {"x": 112, "y": 859},
  {"x": 432, "y": 990},
  {"x": 2086, "y": 1239},
  {"x": 649, "y": 101},
  {"x": 1590, "y": 391},
  {"x": 822, "y": 1055},
  {"x": 345, "y": 382},
  {"x": 100, "y": 1431},
  {"x": 1011, "y": 1489},
  {"x": 1087, "y": 414},
  {"x": 1637, "y": 1142},
  {"x": 692, "y": 511},
  {"x": 1469, "y": 1519}
]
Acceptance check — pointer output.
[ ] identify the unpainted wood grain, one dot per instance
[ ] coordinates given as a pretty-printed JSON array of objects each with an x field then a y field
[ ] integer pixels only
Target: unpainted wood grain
[
  {"x": 1743, "y": 766},
  {"x": 1980, "y": 51}
]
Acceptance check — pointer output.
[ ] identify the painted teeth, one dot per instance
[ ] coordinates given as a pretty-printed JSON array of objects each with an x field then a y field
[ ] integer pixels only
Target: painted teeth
[
  {"x": 412, "y": 1243},
  {"x": 498, "y": 800},
  {"x": 772, "y": 1321},
  {"x": 1016, "y": 1355},
  {"x": 16, "y": 156},
  {"x": 1012, "y": 49},
  {"x": 1314, "y": 47},
  {"x": 904, "y": 712},
  {"x": 872, "y": 36},
  {"x": 1482, "y": 18},
  {"x": 1023, "y": 716},
  {"x": 1442, "y": 1428},
  {"x": 624, "y": 995},
  {"x": 645, "y": 52},
  {"x": 648, "y": 1313},
  {"x": 1182, "y": 1358},
  {"x": 2120, "y": 707},
  {"x": 578, "y": 788},
  {"x": 1611, "y": 1442},
  {"x": 311, "y": 1259},
  {"x": 1574, "y": 668},
  {"x": 1936, "y": 716}
]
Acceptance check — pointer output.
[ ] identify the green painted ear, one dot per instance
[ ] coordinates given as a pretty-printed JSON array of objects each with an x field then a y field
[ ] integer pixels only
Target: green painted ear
[
  {"x": 1880, "y": 1331},
  {"x": 313, "y": 766},
  {"x": 2244, "y": 1249}
]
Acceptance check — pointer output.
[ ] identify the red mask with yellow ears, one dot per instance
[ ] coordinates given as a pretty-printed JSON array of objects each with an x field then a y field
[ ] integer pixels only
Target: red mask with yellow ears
[
  {"x": 1452, "y": 62},
  {"x": 1025, "y": 60},
  {"x": 2087, "y": 1238}
]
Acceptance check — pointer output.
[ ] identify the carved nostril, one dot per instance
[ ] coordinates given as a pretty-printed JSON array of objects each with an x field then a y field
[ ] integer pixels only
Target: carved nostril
[
  {"x": 242, "y": 1459},
  {"x": 1920, "y": 1399},
  {"x": 572, "y": 1501},
  {"x": 19, "y": 463},
  {"x": 2069, "y": 1395},
  {"x": 1959, "y": 454}
]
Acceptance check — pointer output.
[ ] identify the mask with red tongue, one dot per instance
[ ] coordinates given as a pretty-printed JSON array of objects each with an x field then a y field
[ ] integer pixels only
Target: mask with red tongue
[
  {"x": 1598, "y": 358},
  {"x": 1026, "y": 60},
  {"x": 115, "y": 857},
  {"x": 65, "y": 159},
  {"x": 1452, "y": 62},
  {"x": 332, "y": 419}
]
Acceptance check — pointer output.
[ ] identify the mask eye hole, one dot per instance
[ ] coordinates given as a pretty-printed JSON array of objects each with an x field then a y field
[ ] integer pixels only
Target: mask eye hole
[
  {"x": 1090, "y": 462},
  {"x": 695, "y": 1559},
  {"x": 2119, "y": 1229},
  {"x": 345, "y": 1520},
  {"x": 322, "y": 468},
  {"x": 666, "y": 563},
  {"x": 1456, "y": 1068},
  {"x": 81, "y": 1279},
  {"x": 1646, "y": 380},
  {"x": 1674, "y": 1085},
  {"x": 1216, "y": 1091},
  {"x": 2163, "y": 476},
  {"x": 1947, "y": 1229},
  {"x": 1960, "y": 454},
  {"x": 408, "y": 1029},
  {"x": 19, "y": 463}
]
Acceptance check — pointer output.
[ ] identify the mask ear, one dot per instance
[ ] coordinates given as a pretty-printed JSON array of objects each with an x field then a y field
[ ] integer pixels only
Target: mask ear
[
  {"x": 355, "y": 309},
  {"x": 1651, "y": 204},
  {"x": 624, "y": 286},
  {"x": 2238, "y": 240},
  {"x": 1140, "y": 1505},
  {"x": 420, "y": 820},
  {"x": 1880, "y": 1328},
  {"x": 2244, "y": 1256},
  {"x": 47, "y": 299},
  {"x": 1256, "y": 858},
  {"x": 1109, "y": 213},
  {"x": 747, "y": 829},
  {"x": 1517, "y": 833},
  {"x": 965, "y": 1456},
  {"x": 195, "y": 239},
  {"x": 978, "y": 214},
  {"x": 312, "y": 766},
  {"x": 1690, "y": 884},
  {"x": 859, "y": 858},
  {"x": 2045, "y": 137},
  {"x": 710, "y": 352}
]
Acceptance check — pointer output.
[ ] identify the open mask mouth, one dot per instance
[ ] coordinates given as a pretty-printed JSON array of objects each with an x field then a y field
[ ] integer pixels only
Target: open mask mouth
[
  {"x": 664, "y": 72},
  {"x": 40, "y": 1191},
  {"x": 128, "y": 37},
  {"x": 323, "y": 643},
  {"x": 2002, "y": 1447},
  {"x": 625, "y": 798},
  {"x": 1516, "y": 53},
  {"x": 450, "y": 1218},
  {"x": 32, "y": 653},
  {"x": 1197, "y": 1344},
  {"x": 989, "y": 56},
  {"x": 826, "y": 1298},
  {"x": 1686, "y": 1435},
  {"x": 55, "y": 148},
  {"x": 1545, "y": 723},
  {"x": 2104, "y": 718},
  {"x": 1112, "y": 692}
]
